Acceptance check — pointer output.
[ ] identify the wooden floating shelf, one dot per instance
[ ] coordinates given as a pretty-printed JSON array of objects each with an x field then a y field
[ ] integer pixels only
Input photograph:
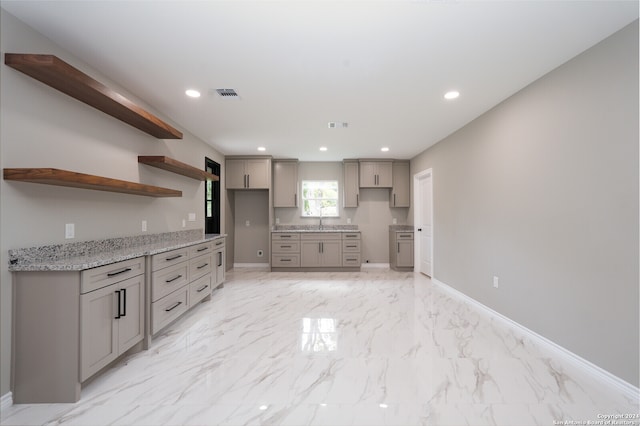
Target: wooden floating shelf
[
  {"x": 80, "y": 180},
  {"x": 175, "y": 166},
  {"x": 56, "y": 73}
]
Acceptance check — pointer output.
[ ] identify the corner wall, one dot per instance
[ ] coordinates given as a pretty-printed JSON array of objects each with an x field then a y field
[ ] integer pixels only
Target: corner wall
[
  {"x": 42, "y": 127},
  {"x": 542, "y": 191}
]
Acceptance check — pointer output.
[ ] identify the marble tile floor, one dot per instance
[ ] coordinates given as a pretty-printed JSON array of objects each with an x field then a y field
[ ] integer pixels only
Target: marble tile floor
[{"x": 367, "y": 348}]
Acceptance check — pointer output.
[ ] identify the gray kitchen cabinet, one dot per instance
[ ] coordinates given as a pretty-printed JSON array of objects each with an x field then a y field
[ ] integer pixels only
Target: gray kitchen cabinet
[
  {"x": 248, "y": 173},
  {"x": 112, "y": 321},
  {"x": 351, "y": 183},
  {"x": 285, "y": 250},
  {"x": 376, "y": 174},
  {"x": 401, "y": 250},
  {"x": 400, "y": 192},
  {"x": 351, "y": 249},
  {"x": 219, "y": 258},
  {"x": 285, "y": 183},
  {"x": 321, "y": 250}
]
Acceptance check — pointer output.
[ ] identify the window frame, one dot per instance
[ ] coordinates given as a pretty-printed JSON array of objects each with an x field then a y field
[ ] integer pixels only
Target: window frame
[{"x": 303, "y": 198}]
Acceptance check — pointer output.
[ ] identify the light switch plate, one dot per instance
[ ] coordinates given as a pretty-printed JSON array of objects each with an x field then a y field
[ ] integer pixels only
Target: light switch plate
[
  {"x": 144, "y": 226},
  {"x": 192, "y": 217},
  {"x": 395, "y": 221},
  {"x": 247, "y": 223},
  {"x": 69, "y": 231}
]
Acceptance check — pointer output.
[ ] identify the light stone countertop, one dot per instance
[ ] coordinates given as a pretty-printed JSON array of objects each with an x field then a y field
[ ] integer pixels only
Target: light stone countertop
[
  {"x": 315, "y": 228},
  {"x": 401, "y": 228},
  {"x": 91, "y": 254}
]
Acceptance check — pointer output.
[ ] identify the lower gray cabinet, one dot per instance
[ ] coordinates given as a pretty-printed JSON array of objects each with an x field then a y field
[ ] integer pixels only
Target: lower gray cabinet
[
  {"x": 112, "y": 321},
  {"x": 321, "y": 250},
  {"x": 401, "y": 250},
  {"x": 219, "y": 262}
]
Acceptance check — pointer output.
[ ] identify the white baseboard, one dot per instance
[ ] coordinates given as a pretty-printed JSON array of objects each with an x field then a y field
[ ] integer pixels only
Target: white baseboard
[
  {"x": 256, "y": 266},
  {"x": 588, "y": 367},
  {"x": 6, "y": 401},
  {"x": 374, "y": 266}
]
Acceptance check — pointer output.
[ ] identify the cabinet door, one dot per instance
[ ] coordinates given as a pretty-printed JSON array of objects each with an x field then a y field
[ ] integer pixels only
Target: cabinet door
[
  {"x": 309, "y": 254},
  {"x": 331, "y": 253},
  {"x": 285, "y": 184},
  {"x": 404, "y": 255},
  {"x": 351, "y": 184},
  {"x": 131, "y": 323},
  {"x": 385, "y": 174},
  {"x": 400, "y": 195},
  {"x": 219, "y": 267},
  {"x": 98, "y": 336},
  {"x": 235, "y": 174},
  {"x": 368, "y": 174},
  {"x": 258, "y": 173}
]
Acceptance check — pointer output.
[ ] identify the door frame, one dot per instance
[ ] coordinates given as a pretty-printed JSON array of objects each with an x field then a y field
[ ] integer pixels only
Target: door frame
[{"x": 417, "y": 213}]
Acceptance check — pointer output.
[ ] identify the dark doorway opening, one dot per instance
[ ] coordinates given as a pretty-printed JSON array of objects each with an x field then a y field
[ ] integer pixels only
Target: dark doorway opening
[{"x": 212, "y": 199}]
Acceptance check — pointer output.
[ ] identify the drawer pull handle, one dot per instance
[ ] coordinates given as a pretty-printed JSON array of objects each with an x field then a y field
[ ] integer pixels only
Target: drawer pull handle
[
  {"x": 203, "y": 249},
  {"x": 173, "y": 279},
  {"x": 203, "y": 287},
  {"x": 350, "y": 236},
  {"x": 285, "y": 246},
  {"x": 113, "y": 274},
  {"x": 285, "y": 236},
  {"x": 173, "y": 307},
  {"x": 202, "y": 266},
  {"x": 285, "y": 260},
  {"x": 219, "y": 243},
  {"x": 178, "y": 256},
  {"x": 351, "y": 260},
  {"x": 352, "y": 246}
]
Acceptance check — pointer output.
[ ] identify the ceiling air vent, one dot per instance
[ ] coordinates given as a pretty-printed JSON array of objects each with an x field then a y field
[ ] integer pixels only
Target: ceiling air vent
[{"x": 227, "y": 93}]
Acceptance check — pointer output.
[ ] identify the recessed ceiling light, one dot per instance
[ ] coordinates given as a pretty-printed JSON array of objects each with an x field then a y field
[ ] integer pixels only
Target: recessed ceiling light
[
  {"x": 452, "y": 94},
  {"x": 192, "y": 93},
  {"x": 384, "y": 149},
  {"x": 323, "y": 148},
  {"x": 262, "y": 148}
]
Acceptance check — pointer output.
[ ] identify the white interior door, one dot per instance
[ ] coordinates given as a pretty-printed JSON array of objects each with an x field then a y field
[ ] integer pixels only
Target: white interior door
[{"x": 423, "y": 221}]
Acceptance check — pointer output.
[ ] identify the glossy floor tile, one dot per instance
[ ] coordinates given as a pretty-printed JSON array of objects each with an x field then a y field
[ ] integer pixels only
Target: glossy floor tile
[{"x": 367, "y": 348}]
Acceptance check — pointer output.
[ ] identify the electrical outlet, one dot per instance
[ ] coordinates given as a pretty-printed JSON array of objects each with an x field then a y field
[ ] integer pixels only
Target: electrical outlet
[
  {"x": 395, "y": 221},
  {"x": 192, "y": 217},
  {"x": 260, "y": 253},
  {"x": 277, "y": 221},
  {"x": 144, "y": 226},
  {"x": 69, "y": 230},
  {"x": 348, "y": 221},
  {"x": 495, "y": 282},
  {"x": 247, "y": 223},
  {"x": 184, "y": 223}
]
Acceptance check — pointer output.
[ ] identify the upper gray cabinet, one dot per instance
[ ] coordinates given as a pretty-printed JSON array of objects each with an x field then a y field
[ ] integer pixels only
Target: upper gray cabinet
[
  {"x": 376, "y": 174},
  {"x": 248, "y": 173},
  {"x": 285, "y": 183},
  {"x": 351, "y": 183},
  {"x": 400, "y": 192}
]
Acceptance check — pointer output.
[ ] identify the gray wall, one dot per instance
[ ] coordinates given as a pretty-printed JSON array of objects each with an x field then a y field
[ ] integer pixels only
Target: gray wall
[
  {"x": 373, "y": 216},
  {"x": 542, "y": 191},
  {"x": 41, "y": 127}
]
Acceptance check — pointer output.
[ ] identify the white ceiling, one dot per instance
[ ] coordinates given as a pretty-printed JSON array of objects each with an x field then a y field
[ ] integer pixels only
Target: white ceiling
[{"x": 381, "y": 66}]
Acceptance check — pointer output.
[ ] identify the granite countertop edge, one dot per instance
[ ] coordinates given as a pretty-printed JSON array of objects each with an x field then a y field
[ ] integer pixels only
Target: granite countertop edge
[{"x": 82, "y": 263}]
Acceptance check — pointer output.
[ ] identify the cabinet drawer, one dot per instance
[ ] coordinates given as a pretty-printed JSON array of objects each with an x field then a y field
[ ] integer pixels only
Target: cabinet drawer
[
  {"x": 200, "y": 249},
  {"x": 282, "y": 236},
  {"x": 199, "y": 289},
  {"x": 218, "y": 243},
  {"x": 200, "y": 266},
  {"x": 173, "y": 257},
  {"x": 351, "y": 259},
  {"x": 169, "y": 308},
  {"x": 320, "y": 236},
  {"x": 285, "y": 247},
  {"x": 168, "y": 280},
  {"x": 285, "y": 261},
  {"x": 350, "y": 235},
  {"x": 93, "y": 279},
  {"x": 404, "y": 235},
  {"x": 351, "y": 246}
]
